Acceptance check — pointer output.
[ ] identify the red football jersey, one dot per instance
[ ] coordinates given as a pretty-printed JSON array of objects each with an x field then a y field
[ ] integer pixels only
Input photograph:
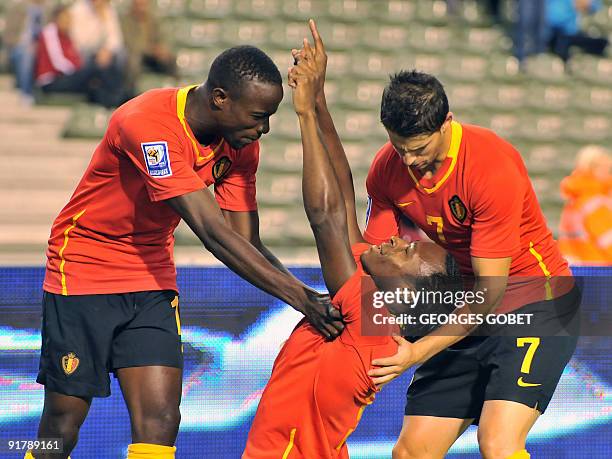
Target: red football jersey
[
  {"x": 480, "y": 203},
  {"x": 319, "y": 388},
  {"x": 115, "y": 235}
]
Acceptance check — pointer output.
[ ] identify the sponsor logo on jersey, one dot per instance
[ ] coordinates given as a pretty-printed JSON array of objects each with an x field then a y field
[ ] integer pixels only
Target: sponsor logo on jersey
[{"x": 157, "y": 159}]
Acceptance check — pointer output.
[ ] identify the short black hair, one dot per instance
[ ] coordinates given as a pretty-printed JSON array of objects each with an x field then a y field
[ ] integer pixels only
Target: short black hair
[
  {"x": 234, "y": 66},
  {"x": 413, "y": 103}
]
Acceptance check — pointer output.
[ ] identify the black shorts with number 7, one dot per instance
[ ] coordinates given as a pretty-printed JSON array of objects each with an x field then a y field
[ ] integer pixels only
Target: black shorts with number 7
[{"x": 525, "y": 368}]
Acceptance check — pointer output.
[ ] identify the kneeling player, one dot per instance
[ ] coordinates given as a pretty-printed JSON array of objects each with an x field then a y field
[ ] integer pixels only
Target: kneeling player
[{"x": 318, "y": 388}]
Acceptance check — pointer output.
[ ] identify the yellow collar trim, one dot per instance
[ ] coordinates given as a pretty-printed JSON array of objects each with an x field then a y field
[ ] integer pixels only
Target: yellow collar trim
[
  {"x": 453, "y": 152},
  {"x": 181, "y": 102}
]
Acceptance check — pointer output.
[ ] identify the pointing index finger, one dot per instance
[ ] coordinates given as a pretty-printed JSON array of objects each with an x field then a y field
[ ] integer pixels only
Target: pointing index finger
[{"x": 315, "y": 35}]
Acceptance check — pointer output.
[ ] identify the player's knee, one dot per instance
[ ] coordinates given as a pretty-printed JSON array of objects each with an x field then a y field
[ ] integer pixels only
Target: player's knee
[
  {"x": 497, "y": 445},
  {"x": 157, "y": 426},
  {"x": 64, "y": 425},
  {"x": 404, "y": 449}
]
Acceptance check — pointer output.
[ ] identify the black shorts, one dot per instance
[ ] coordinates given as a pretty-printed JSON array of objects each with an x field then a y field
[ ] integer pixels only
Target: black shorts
[
  {"x": 85, "y": 337},
  {"x": 526, "y": 369}
]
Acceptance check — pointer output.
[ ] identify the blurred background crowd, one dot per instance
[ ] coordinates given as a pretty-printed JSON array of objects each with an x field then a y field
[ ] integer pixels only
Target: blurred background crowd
[{"x": 538, "y": 72}]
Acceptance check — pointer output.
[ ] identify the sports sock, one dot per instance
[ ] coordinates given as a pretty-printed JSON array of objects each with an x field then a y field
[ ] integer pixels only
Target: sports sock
[
  {"x": 150, "y": 451},
  {"x": 28, "y": 455},
  {"x": 522, "y": 454}
]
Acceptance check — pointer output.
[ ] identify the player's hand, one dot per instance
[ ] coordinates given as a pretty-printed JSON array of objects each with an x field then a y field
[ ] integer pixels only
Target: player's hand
[
  {"x": 391, "y": 367},
  {"x": 303, "y": 78},
  {"x": 319, "y": 57},
  {"x": 322, "y": 314}
]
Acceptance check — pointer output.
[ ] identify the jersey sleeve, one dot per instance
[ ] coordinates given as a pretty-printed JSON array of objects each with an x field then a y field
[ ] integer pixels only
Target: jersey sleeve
[
  {"x": 236, "y": 191},
  {"x": 165, "y": 164},
  {"x": 382, "y": 219},
  {"x": 497, "y": 205}
]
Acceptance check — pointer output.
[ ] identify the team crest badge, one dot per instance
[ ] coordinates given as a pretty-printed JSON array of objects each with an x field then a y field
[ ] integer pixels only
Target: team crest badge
[
  {"x": 157, "y": 159},
  {"x": 457, "y": 208},
  {"x": 70, "y": 362},
  {"x": 221, "y": 168}
]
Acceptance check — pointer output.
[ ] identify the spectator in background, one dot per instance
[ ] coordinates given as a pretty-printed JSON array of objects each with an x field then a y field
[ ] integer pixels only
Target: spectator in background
[
  {"x": 59, "y": 67},
  {"x": 97, "y": 34},
  {"x": 563, "y": 17},
  {"x": 585, "y": 231},
  {"x": 24, "y": 22},
  {"x": 146, "y": 46},
  {"x": 530, "y": 29}
]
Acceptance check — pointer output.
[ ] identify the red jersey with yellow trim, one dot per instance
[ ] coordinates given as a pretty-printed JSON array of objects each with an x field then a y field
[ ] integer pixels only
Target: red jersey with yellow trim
[
  {"x": 115, "y": 235},
  {"x": 480, "y": 203},
  {"x": 318, "y": 388}
]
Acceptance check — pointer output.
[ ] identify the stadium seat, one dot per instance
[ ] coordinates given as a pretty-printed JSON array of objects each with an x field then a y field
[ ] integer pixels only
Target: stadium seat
[
  {"x": 463, "y": 96},
  {"x": 302, "y": 10},
  {"x": 430, "y": 38},
  {"x": 394, "y": 11},
  {"x": 245, "y": 33},
  {"x": 503, "y": 96},
  {"x": 198, "y": 33},
  {"x": 361, "y": 94},
  {"x": 209, "y": 8},
  {"x": 434, "y": 11},
  {"x": 256, "y": 9},
  {"x": 171, "y": 8},
  {"x": 374, "y": 64},
  {"x": 592, "y": 98},
  {"x": 592, "y": 69},
  {"x": 195, "y": 62},
  {"x": 349, "y": 10},
  {"x": 385, "y": 37},
  {"x": 546, "y": 67},
  {"x": 87, "y": 121}
]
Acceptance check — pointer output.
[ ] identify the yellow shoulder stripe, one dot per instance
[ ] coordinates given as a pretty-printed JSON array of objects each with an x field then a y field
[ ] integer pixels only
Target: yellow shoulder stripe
[{"x": 181, "y": 101}]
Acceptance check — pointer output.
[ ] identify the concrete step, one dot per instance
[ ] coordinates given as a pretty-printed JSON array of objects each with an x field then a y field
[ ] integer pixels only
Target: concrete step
[
  {"x": 39, "y": 147},
  {"x": 15, "y": 128}
]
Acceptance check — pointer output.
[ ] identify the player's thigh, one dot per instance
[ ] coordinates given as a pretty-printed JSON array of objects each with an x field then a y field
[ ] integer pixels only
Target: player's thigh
[
  {"x": 504, "y": 426},
  {"x": 153, "y": 336},
  {"x": 428, "y": 437}
]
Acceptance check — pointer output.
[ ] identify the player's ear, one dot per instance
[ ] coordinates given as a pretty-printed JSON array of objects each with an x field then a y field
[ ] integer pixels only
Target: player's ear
[
  {"x": 219, "y": 98},
  {"x": 447, "y": 121}
]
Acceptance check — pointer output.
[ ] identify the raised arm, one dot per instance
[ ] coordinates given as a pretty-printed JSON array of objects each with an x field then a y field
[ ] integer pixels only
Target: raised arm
[
  {"x": 323, "y": 200},
  {"x": 330, "y": 136}
]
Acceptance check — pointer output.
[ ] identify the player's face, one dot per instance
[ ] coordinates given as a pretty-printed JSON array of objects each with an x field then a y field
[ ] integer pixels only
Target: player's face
[
  {"x": 398, "y": 258},
  {"x": 421, "y": 151},
  {"x": 247, "y": 118}
]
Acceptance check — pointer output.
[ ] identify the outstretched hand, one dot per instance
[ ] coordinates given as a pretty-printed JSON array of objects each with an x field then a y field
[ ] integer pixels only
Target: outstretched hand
[{"x": 391, "y": 367}]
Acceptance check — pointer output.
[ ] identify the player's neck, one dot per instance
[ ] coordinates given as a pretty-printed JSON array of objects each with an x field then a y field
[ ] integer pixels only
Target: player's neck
[
  {"x": 199, "y": 117},
  {"x": 447, "y": 136}
]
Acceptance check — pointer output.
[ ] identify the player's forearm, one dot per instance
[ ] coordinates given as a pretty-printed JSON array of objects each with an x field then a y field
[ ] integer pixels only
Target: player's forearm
[
  {"x": 201, "y": 213},
  {"x": 447, "y": 335},
  {"x": 336, "y": 152},
  {"x": 246, "y": 261},
  {"x": 321, "y": 193}
]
